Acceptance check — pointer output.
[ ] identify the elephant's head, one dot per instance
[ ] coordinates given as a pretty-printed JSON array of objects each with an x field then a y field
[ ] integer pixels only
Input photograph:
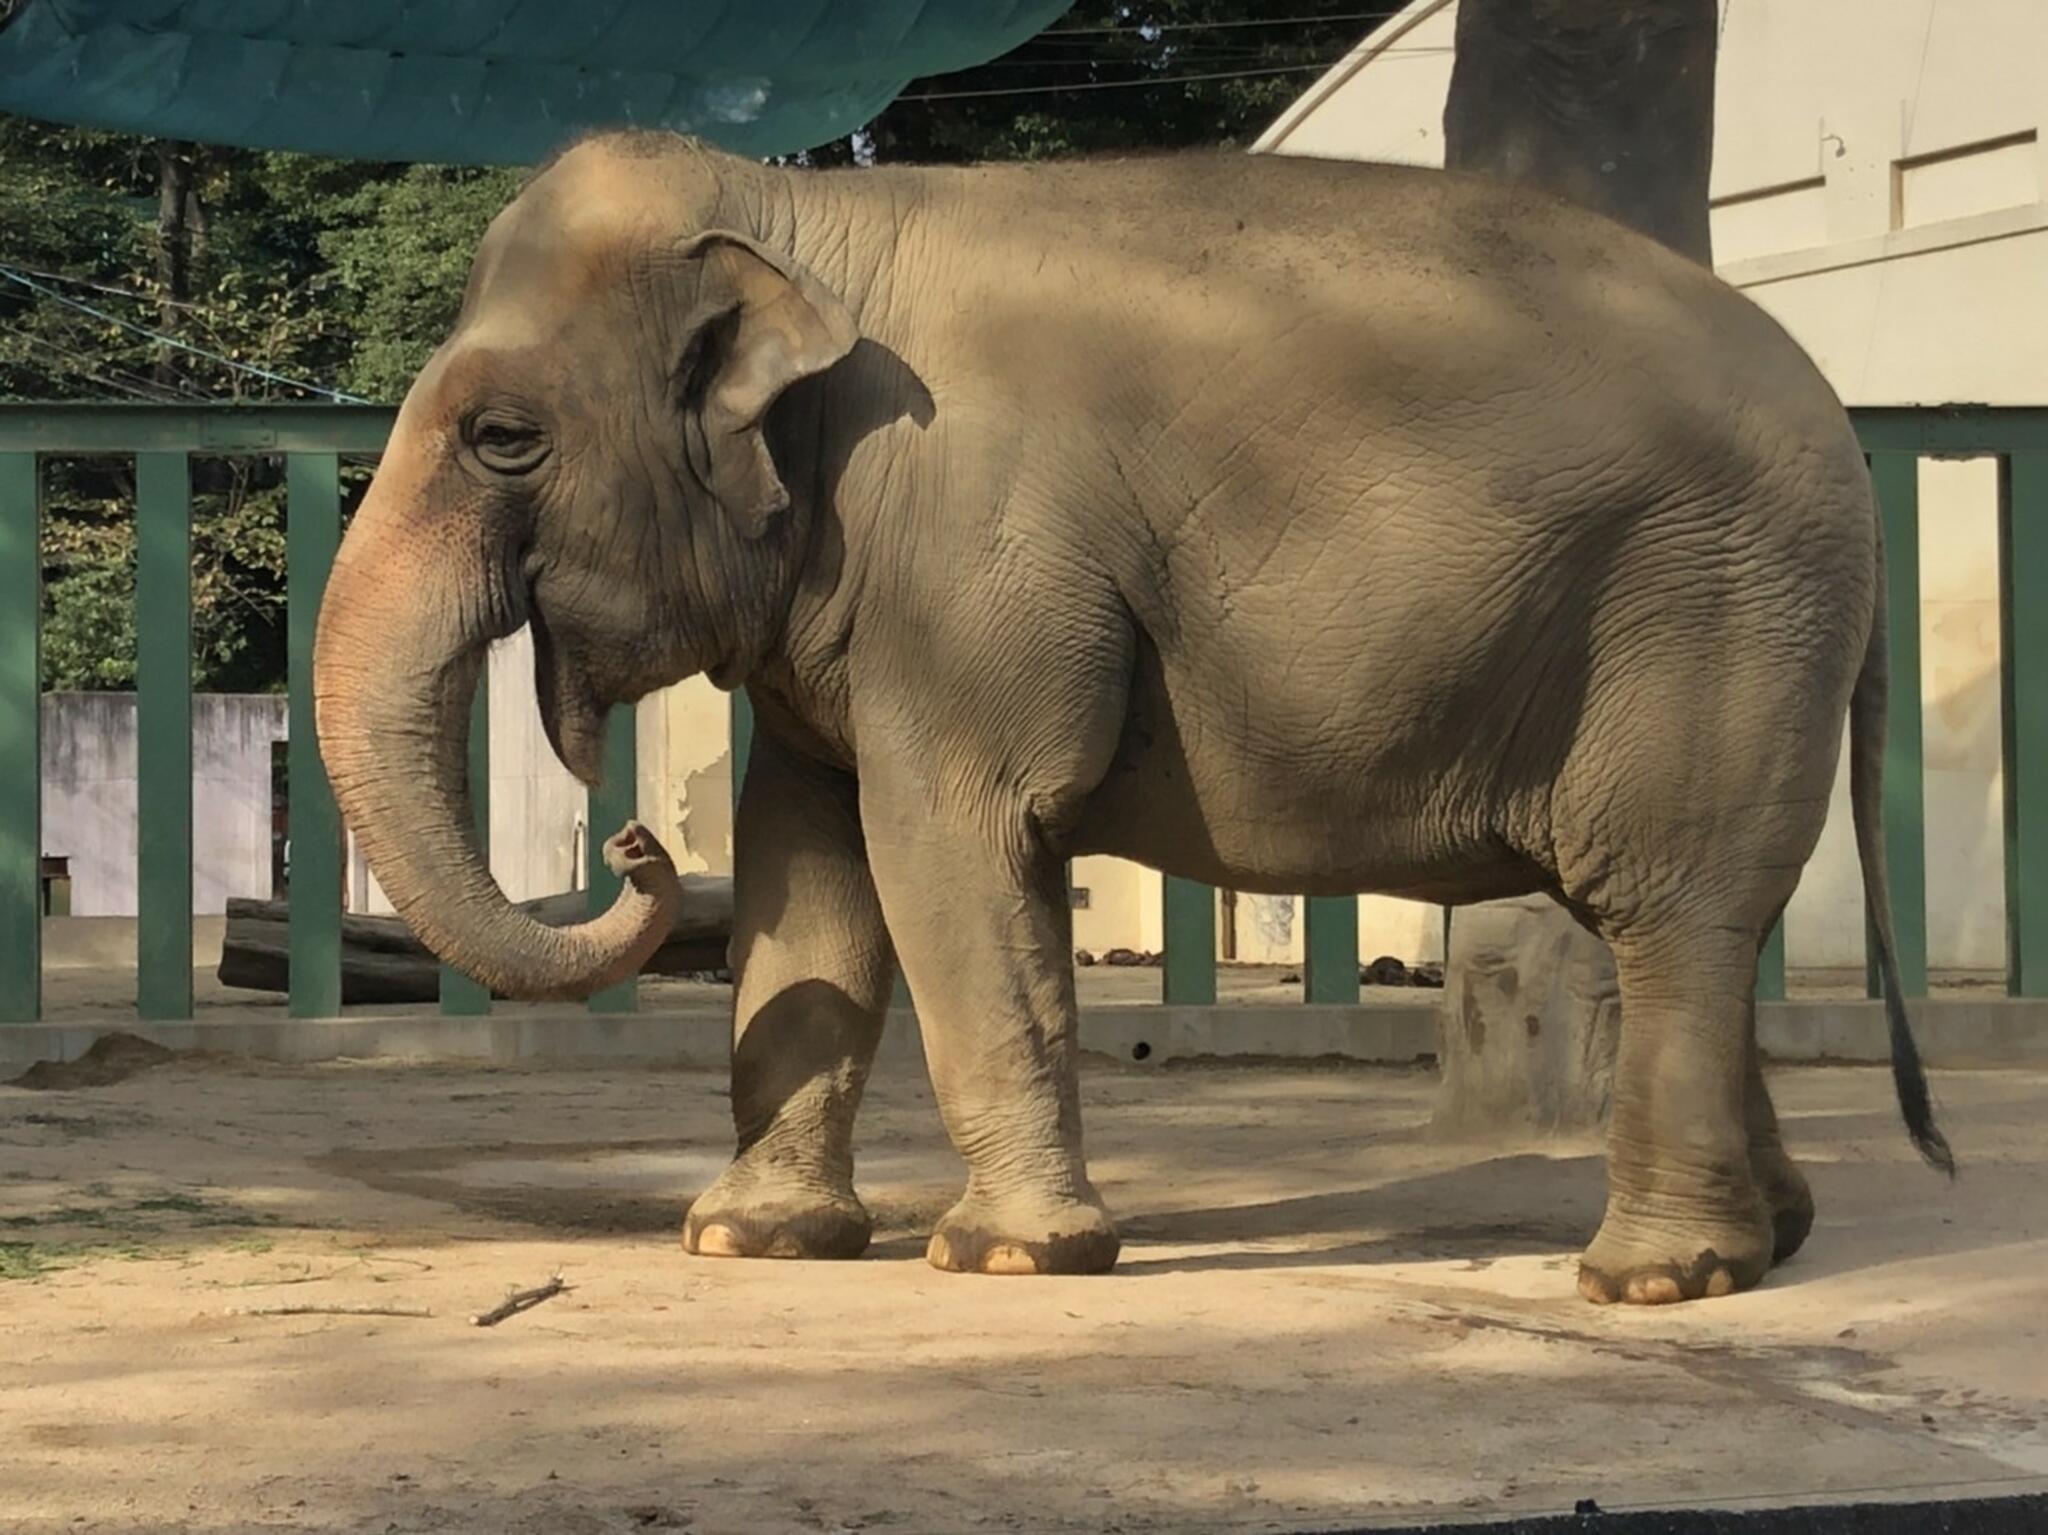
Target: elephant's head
[{"x": 585, "y": 453}]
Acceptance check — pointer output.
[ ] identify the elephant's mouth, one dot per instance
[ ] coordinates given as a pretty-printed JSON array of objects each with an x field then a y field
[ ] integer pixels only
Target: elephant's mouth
[{"x": 572, "y": 710}]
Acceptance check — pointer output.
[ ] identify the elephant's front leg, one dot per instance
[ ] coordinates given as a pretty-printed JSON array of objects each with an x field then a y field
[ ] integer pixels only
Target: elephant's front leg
[
  {"x": 814, "y": 969},
  {"x": 982, "y": 928}
]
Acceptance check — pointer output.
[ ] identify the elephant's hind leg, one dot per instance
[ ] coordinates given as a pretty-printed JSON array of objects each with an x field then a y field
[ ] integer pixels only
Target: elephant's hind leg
[
  {"x": 1686, "y": 1217},
  {"x": 813, "y": 971}
]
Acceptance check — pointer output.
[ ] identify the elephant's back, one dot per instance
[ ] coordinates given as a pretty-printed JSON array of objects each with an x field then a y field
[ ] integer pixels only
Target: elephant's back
[{"x": 1436, "y": 273}]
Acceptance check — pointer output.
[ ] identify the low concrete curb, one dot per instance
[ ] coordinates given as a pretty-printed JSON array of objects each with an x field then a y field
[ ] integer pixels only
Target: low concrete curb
[
  {"x": 1952, "y": 1031},
  {"x": 1995, "y": 1031}
]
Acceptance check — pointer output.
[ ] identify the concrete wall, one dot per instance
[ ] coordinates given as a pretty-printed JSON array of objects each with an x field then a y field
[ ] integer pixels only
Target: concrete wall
[
  {"x": 89, "y": 796},
  {"x": 1878, "y": 187}
]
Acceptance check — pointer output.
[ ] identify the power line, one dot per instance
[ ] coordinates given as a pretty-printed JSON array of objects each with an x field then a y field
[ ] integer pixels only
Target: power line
[
  {"x": 96, "y": 286},
  {"x": 100, "y": 371},
  {"x": 85, "y": 367},
  {"x": 1193, "y": 53},
  {"x": 172, "y": 341},
  {"x": 1216, "y": 55},
  {"x": 1145, "y": 28},
  {"x": 1121, "y": 85}
]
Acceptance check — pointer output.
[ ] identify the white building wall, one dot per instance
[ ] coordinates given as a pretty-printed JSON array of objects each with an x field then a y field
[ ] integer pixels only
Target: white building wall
[
  {"x": 89, "y": 796},
  {"x": 1885, "y": 202}
]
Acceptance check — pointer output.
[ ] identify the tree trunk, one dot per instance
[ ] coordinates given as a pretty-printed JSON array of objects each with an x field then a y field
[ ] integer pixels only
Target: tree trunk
[
  {"x": 173, "y": 249},
  {"x": 1609, "y": 103},
  {"x": 383, "y": 963},
  {"x": 1531, "y": 1016}
]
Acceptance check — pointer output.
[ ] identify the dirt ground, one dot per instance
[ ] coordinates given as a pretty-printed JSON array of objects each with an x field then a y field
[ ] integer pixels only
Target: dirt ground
[{"x": 1325, "y": 1316}]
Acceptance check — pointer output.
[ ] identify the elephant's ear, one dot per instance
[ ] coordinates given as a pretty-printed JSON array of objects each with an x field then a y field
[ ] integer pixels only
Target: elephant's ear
[{"x": 757, "y": 325}]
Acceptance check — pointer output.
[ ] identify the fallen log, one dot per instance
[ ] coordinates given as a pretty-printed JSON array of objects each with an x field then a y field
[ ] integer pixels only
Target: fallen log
[{"x": 382, "y": 962}]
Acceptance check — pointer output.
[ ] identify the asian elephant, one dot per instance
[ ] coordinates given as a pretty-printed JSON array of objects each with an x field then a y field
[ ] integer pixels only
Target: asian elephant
[{"x": 1293, "y": 526}]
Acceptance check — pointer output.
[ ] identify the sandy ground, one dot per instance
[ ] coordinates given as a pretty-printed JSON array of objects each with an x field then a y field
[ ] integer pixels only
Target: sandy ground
[{"x": 1324, "y": 1316}]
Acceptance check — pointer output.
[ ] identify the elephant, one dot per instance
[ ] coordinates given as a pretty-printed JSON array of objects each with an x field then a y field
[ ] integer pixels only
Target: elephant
[{"x": 1293, "y": 526}]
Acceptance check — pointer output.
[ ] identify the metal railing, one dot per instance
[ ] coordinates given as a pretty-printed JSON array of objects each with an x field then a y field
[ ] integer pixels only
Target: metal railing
[{"x": 312, "y": 439}]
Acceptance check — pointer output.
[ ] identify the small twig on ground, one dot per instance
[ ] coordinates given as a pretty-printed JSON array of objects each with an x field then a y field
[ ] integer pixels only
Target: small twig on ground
[
  {"x": 328, "y": 1311},
  {"x": 517, "y": 1301}
]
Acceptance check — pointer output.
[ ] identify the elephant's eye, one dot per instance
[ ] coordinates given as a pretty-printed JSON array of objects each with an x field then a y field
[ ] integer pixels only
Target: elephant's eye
[{"x": 508, "y": 444}]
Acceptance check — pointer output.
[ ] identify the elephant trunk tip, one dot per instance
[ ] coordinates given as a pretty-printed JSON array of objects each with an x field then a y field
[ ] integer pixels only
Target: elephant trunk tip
[{"x": 635, "y": 855}]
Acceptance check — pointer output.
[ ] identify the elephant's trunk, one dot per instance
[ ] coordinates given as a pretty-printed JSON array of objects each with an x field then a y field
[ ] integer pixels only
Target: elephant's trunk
[{"x": 404, "y": 630}]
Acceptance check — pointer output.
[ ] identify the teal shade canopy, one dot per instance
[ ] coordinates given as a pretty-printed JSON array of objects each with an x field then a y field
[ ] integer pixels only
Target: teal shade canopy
[{"x": 488, "y": 82}]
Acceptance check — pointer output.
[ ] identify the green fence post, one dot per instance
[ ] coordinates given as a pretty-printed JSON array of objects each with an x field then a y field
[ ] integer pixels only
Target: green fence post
[
  {"x": 742, "y": 744},
  {"x": 21, "y": 736},
  {"x": 1187, "y": 973},
  {"x": 611, "y": 805},
  {"x": 1896, "y": 477},
  {"x": 312, "y": 534},
  {"x": 1770, "y": 966},
  {"x": 163, "y": 735},
  {"x": 1330, "y": 949},
  {"x": 2023, "y": 607},
  {"x": 460, "y": 996}
]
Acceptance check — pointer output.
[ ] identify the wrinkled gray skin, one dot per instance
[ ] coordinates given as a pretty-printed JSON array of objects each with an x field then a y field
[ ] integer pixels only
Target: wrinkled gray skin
[{"x": 1292, "y": 526}]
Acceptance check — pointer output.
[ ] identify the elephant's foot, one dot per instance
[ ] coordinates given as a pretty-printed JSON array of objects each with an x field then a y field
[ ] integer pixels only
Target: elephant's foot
[
  {"x": 1644, "y": 1265},
  {"x": 1016, "y": 1237},
  {"x": 748, "y": 1214},
  {"x": 1785, "y": 1190}
]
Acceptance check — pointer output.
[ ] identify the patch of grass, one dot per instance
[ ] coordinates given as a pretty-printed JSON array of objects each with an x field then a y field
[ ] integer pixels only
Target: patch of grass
[
  {"x": 249, "y": 1245},
  {"x": 25, "y": 1261},
  {"x": 141, "y": 1212},
  {"x": 204, "y": 1212},
  {"x": 184, "y": 1204},
  {"x": 64, "y": 1215},
  {"x": 73, "y": 1125}
]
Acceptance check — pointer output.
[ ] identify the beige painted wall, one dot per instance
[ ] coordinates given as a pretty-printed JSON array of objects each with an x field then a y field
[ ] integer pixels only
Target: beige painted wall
[{"x": 686, "y": 799}]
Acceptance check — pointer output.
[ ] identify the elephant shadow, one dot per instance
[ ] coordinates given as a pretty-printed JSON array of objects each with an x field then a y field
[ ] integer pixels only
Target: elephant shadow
[{"x": 1519, "y": 1205}]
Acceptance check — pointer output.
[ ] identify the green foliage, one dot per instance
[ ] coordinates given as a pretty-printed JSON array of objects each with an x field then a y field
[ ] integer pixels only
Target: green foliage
[
  {"x": 254, "y": 284},
  {"x": 237, "y": 577},
  {"x": 1069, "y": 91},
  {"x": 346, "y": 274},
  {"x": 399, "y": 257}
]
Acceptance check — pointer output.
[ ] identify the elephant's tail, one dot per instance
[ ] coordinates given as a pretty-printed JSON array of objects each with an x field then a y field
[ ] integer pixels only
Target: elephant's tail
[{"x": 1866, "y": 798}]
